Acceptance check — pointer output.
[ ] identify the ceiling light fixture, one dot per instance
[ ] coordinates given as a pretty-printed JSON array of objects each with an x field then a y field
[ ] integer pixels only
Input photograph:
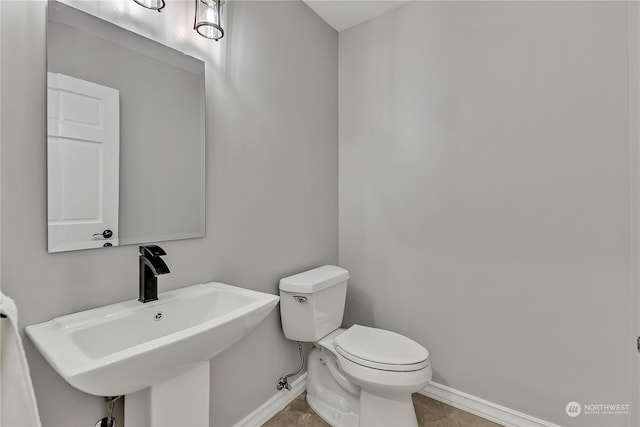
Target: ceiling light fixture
[
  {"x": 151, "y": 4},
  {"x": 207, "y": 20}
]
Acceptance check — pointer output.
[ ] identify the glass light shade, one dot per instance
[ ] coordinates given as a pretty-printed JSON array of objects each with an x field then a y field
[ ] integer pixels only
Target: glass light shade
[
  {"x": 151, "y": 4},
  {"x": 208, "y": 17}
]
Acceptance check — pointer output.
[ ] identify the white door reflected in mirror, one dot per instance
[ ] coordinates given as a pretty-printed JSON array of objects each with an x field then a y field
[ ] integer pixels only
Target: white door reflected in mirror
[{"x": 83, "y": 145}]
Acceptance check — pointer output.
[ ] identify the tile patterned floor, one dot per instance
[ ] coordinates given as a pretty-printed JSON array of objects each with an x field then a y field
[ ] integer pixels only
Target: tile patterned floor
[{"x": 430, "y": 413}]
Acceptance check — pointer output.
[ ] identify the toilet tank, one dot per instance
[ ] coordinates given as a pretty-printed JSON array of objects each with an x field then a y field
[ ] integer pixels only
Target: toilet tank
[{"x": 312, "y": 302}]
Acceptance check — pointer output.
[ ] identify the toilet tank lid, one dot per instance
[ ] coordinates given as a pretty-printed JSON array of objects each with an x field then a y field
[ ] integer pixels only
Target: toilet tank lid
[{"x": 314, "y": 280}]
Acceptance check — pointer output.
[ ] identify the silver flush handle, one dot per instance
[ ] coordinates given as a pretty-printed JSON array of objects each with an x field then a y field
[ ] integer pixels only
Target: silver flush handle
[{"x": 300, "y": 298}]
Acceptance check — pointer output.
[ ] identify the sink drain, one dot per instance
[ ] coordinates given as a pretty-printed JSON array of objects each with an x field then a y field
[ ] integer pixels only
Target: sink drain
[{"x": 158, "y": 316}]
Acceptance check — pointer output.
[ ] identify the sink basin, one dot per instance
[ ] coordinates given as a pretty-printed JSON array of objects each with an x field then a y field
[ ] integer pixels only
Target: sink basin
[{"x": 126, "y": 347}]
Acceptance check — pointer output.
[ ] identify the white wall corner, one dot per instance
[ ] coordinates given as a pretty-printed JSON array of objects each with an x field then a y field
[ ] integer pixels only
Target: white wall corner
[
  {"x": 482, "y": 408},
  {"x": 274, "y": 404}
]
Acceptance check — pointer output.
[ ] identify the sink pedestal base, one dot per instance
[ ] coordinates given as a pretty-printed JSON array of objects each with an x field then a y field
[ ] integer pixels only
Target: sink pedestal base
[{"x": 180, "y": 401}]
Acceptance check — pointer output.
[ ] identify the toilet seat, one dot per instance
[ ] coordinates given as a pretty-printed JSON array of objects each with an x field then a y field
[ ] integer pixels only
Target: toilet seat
[{"x": 381, "y": 349}]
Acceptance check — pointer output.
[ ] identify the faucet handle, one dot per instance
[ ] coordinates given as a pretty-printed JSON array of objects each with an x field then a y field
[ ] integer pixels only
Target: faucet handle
[{"x": 152, "y": 250}]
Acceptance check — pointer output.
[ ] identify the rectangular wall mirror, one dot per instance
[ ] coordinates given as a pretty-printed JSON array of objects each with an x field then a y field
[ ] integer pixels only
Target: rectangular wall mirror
[{"x": 125, "y": 136}]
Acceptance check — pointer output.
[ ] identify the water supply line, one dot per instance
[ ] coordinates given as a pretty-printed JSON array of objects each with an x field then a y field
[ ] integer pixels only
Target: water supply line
[
  {"x": 283, "y": 382},
  {"x": 108, "y": 421}
]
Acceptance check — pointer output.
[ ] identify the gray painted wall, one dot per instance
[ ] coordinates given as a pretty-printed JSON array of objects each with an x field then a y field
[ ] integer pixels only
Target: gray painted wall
[
  {"x": 272, "y": 185},
  {"x": 485, "y": 197}
]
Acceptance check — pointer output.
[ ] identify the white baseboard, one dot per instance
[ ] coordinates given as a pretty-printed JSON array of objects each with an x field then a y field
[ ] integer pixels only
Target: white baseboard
[
  {"x": 482, "y": 408},
  {"x": 275, "y": 404},
  {"x": 458, "y": 399}
]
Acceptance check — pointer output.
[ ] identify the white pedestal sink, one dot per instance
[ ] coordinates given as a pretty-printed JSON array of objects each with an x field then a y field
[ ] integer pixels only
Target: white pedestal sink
[{"x": 157, "y": 354}]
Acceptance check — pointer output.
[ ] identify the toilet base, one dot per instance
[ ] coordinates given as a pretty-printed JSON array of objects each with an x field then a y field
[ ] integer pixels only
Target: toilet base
[
  {"x": 378, "y": 411},
  {"x": 387, "y": 410},
  {"x": 356, "y": 407},
  {"x": 331, "y": 414},
  {"x": 325, "y": 396}
]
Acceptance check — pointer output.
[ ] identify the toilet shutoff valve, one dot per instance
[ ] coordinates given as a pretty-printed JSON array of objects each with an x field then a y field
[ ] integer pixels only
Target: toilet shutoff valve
[{"x": 283, "y": 383}]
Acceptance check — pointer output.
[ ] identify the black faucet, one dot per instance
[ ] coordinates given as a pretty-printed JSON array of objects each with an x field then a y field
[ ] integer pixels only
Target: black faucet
[{"x": 151, "y": 266}]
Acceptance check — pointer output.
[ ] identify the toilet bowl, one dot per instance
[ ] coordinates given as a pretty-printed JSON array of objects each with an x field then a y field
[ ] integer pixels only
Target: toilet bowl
[
  {"x": 360, "y": 376},
  {"x": 382, "y": 360}
]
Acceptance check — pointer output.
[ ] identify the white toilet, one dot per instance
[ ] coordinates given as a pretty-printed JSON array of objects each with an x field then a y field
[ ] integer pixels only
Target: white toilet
[{"x": 359, "y": 376}]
